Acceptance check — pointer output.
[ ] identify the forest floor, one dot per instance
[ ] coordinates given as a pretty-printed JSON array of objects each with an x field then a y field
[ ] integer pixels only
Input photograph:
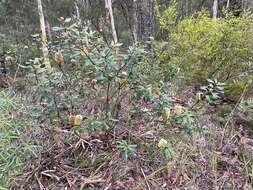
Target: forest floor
[{"x": 214, "y": 158}]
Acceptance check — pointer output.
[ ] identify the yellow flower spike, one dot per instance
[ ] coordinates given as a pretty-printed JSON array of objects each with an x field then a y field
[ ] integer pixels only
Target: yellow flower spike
[
  {"x": 166, "y": 114},
  {"x": 162, "y": 143},
  {"x": 101, "y": 23},
  {"x": 199, "y": 96},
  {"x": 178, "y": 109},
  {"x": 78, "y": 120}
]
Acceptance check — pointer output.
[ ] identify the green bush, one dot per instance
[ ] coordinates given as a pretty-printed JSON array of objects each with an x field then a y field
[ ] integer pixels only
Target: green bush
[
  {"x": 203, "y": 47},
  {"x": 88, "y": 71},
  {"x": 86, "y": 66},
  {"x": 16, "y": 54},
  {"x": 246, "y": 111}
]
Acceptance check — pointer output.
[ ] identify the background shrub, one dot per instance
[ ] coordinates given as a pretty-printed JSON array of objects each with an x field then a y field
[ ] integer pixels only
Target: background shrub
[{"x": 203, "y": 48}]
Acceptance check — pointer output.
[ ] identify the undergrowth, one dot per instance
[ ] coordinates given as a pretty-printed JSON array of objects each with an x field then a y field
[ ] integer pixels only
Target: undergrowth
[
  {"x": 15, "y": 146},
  {"x": 111, "y": 118}
]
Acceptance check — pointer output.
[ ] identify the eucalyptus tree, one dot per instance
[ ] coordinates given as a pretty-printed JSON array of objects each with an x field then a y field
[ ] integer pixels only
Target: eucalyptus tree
[
  {"x": 215, "y": 8},
  {"x": 43, "y": 36},
  {"x": 108, "y": 6}
]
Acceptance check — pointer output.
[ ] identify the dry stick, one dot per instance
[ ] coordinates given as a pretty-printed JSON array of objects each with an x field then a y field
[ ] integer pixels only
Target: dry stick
[
  {"x": 145, "y": 178},
  {"x": 40, "y": 184},
  {"x": 16, "y": 73},
  {"x": 90, "y": 144}
]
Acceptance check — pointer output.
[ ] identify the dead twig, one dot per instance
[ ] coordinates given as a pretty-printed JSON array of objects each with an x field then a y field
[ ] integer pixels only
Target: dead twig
[
  {"x": 145, "y": 178},
  {"x": 40, "y": 184},
  {"x": 92, "y": 180}
]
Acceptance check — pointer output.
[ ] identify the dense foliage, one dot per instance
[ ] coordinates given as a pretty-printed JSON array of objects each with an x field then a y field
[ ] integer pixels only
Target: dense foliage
[{"x": 203, "y": 48}]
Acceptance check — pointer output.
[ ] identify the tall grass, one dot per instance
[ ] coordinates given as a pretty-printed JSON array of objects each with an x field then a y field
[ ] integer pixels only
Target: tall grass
[{"x": 14, "y": 144}]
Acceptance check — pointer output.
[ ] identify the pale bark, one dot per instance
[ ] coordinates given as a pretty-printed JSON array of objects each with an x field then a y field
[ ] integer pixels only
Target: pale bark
[
  {"x": 77, "y": 10},
  {"x": 227, "y": 7},
  {"x": 215, "y": 9},
  {"x": 135, "y": 21},
  {"x": 43, "y": 36},
  {"x": 108, "y": 6},
  {"x": 228, "y": 4}
]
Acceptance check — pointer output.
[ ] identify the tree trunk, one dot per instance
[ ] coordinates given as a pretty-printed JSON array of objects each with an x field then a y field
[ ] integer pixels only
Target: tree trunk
[
  {"x": 77, "y": 10},
  {"x": 43, "y": 36},
  {"x": 135, "y": 21},
  {"x": 215, "y": 9},
  {"x": 187, "y": 8},
  {"x": 246, "y": 4},
  {"x": 108, "y": 6},
  {"x": 145, "y": 18},
  {"x": 228, "y": 4},
  {"x": 48, "y": 30}
]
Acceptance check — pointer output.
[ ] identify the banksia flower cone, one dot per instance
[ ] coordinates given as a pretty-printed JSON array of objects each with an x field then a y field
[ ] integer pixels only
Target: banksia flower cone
[{"x": 58, "y": 57}]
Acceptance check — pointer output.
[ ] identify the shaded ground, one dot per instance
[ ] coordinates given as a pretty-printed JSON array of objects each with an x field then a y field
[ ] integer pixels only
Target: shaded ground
[{"x": 216, "y": 158}]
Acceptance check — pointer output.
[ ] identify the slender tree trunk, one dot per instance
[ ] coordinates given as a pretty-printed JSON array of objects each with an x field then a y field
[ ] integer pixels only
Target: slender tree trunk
[
  {"x": 108, "y": 6},
  {"x": 43, "y": 36},
  {"x": 135, "y": 21},
  {"x": 77, "y": 10},
  {"x": 187, "y": 8},
  {"x": 227, "y": 7},
  {"x": 48, "y": 30},
  {"x": 215, "y": 9},
  {"x": 128, "y": 18},
  {"x": 145, "y": 16},
  {"x": 228, "y": 4}
]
